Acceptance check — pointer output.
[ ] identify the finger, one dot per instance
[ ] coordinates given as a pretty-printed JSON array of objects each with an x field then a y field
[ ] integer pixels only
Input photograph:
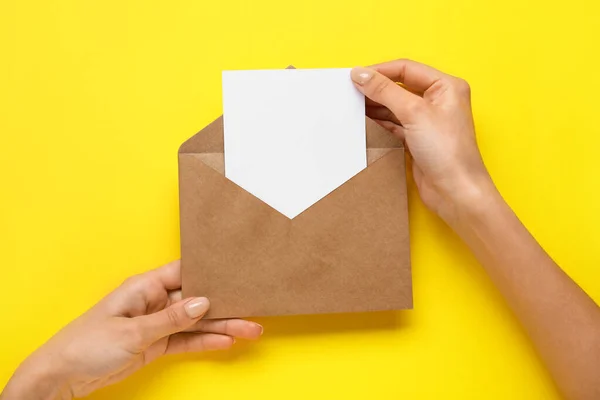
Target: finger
[
  {"x": 397, "y": 130},
  {"x": 175, "y": 296},
  {"x": 195, "y": 342},
  {"x": 382, "y": 113},
  {"x": 175, "y": 318},
  {"x": 144, "y": 293},
  {"x": 169, "y": 275},
  {"x": 232, "y": 327},
  {"x": 404, "y": 104},
  {"x": 413, "y": 74}
]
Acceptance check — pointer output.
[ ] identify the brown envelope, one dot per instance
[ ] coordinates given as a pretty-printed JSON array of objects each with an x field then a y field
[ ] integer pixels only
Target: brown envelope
[{"x": 349, "y": 252}]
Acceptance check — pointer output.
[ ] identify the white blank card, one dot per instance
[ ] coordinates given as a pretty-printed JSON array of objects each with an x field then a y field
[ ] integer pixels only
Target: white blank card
[{"x": 292, "y": 136}]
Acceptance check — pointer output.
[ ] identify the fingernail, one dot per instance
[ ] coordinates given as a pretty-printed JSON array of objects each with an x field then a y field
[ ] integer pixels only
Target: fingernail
[
  {"x": 261, "y": 328},
  {"x": 361, "y": 75},
  {"x": 197, "y": 307}
]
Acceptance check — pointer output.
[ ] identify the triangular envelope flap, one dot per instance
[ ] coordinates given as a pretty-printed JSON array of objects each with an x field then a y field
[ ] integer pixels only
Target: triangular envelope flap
[
  {"x": 210, "y": 139},
  {"x": 380, "y": 138},
  {"x": 217, "y": 160},
  {"x": 201, "y": 168}
]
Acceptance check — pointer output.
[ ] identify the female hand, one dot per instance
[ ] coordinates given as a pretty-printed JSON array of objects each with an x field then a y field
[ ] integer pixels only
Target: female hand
[
  {"x": 431, "y": 111},
  {"x": 143, "y": 319}
]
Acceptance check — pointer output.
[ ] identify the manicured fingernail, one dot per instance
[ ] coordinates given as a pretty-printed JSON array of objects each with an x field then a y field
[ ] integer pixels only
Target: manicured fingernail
[
  {"x": 261, "y": 328},
  {"x": 197, "y": 307},
  {"x": 361, "y": 75}
]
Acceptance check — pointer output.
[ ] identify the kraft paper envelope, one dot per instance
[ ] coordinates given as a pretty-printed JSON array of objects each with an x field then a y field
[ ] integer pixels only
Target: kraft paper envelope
[{"x": 349, "y": 252}]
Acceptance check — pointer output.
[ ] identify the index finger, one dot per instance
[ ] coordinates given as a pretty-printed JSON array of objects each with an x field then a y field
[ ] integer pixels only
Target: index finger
[
  {"x": 169, "y": 275},
  {"x": 413, "y": 74}
]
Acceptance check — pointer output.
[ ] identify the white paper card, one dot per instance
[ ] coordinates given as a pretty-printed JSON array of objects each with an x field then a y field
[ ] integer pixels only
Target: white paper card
[{"x": 292, "y": 136}]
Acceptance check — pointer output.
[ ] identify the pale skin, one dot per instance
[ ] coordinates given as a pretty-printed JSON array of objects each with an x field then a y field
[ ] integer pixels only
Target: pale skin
[
  {"x": 434, "y": 118},
  {"x": 145, "y": 318}
]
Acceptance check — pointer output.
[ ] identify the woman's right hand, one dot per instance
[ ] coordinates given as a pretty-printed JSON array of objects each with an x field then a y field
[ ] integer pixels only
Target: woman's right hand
[
  {"x": 431, "y": 112},
  {"x": 143, "y": 319}
]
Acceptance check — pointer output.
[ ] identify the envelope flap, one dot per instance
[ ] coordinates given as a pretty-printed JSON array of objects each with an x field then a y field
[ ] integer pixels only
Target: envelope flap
[
  {"x": 380, "y": 138},
  {"x": 210, "y": 139}
]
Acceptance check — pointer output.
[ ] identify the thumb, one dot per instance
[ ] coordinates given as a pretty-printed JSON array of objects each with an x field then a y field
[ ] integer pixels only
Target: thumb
[
  {"x": 386, "y": 92},
  {"x": 175, "y": 318}
]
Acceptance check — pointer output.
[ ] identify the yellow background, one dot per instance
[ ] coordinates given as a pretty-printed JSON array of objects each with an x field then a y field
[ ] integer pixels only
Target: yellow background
[{"x": 96, "y": 96}]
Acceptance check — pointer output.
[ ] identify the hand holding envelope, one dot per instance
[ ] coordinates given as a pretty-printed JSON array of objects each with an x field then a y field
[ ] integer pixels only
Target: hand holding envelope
[{"x": 341, "y": 248}]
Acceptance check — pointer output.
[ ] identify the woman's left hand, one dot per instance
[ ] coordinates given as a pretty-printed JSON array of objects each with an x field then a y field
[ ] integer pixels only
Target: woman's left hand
[{"x": 141, "y": 320}]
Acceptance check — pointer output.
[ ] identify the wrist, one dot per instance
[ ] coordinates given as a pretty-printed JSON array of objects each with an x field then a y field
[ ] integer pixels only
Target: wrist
[
  {"x": 469, "y": 200},
  {"x": 36, "y": 379}
]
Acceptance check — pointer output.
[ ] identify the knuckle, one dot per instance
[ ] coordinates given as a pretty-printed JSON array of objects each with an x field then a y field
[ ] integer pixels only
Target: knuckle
[
  {"x": 462, "y": 86},
  {"x": 226, "y": 327},
  {"x": 153, "y": 286},
  {"x": 380, "y": 86},
  {"x": 203, "y": 345},
  {"x": 416, "y": 107},
  {"x": 135, "y": 283},
  {"x": 132, "y": 280},
  {"x": 173, "y": 317}
]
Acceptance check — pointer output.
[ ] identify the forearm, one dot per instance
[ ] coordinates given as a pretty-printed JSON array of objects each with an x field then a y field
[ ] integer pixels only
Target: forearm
[
  {"x": 561, "y": 319},
  {"x": 35, "y": 380}
]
